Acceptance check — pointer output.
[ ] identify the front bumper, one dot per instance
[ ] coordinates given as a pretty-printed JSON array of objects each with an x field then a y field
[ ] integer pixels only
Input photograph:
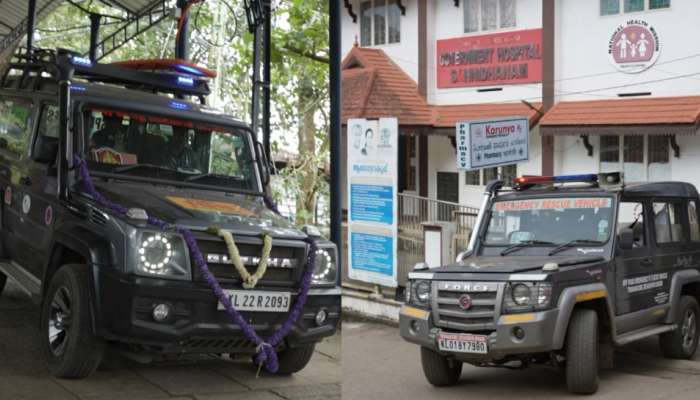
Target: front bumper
[
  {"x": 416, "y": 326},
  {"x": 123, "y": 313}
]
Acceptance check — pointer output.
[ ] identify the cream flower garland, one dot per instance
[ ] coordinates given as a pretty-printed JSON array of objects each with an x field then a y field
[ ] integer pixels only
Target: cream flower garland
[{"x": 249, "y": 281}]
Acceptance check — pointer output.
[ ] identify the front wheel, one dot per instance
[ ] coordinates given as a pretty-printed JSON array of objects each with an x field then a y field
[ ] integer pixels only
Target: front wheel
[
  {"x": 682, "y": 342},
  {"x": 294, "y": 359},
  {"x": 582, "y": 352},
  {"x": 438, "y": 369},
  {"x": 66, "y": 325}
]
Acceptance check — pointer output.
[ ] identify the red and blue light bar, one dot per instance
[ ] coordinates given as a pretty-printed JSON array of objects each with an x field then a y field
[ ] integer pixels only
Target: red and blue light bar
[{"x": 534, "y": 180}]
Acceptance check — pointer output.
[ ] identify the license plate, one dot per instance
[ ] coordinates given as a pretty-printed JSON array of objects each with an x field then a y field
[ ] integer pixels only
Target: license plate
[
  {"x": 256, "y": 300},
  {"x": 463, "y": 343}
]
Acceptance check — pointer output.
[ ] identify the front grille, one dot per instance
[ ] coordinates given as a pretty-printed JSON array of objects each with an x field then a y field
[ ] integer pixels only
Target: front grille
[
  {"x": 251, "y": 247},
  {"x": 486, "y": 298}
]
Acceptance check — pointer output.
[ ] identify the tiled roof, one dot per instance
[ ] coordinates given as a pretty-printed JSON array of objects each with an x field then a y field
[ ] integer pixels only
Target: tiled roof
[
  {"x": 374, "y": 86},
  {"x": 448, "y": 116},
  {"x": 647, "y": 111}
]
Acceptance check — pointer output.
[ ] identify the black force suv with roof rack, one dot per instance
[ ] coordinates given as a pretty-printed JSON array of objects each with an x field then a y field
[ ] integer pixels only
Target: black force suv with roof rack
[
  {"x": 560, "y": 270},
  {"x": 106, "y": 279}
]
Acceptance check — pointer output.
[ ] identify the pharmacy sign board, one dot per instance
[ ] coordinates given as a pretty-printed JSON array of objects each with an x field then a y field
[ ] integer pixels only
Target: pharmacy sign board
[{"x": 491, "y": 143}]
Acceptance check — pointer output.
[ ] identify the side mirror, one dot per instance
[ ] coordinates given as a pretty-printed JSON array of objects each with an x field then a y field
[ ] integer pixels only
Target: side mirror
[
  {"x": 626, "y": 238},
  {"x": 264, "y": 164},
  {"x": 45, "y": 149}
]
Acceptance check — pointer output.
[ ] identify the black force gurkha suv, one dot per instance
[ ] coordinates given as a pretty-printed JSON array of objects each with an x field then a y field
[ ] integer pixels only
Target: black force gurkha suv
[
  {"x": 561, "y": 270},
  {"x": 106, "y": 279}
]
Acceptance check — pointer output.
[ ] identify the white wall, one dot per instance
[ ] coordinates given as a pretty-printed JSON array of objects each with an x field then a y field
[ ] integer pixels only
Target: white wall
[
  {"x": 582, "y": 50},
  {"x": 405, "y": 53},
  {"x": 445, "y": 21}
]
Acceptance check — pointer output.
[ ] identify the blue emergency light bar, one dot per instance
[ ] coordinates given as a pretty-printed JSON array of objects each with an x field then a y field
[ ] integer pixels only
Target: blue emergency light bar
[
  {"x": 190, "y": 70},
  {"x": 187, "y": 81},
  {"x": 523, "y": 182},
  {"x": 81, "y": 61}
]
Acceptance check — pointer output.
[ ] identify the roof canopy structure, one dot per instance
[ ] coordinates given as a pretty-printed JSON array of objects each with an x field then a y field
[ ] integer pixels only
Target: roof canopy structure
[{"x": 14, "y": 21}]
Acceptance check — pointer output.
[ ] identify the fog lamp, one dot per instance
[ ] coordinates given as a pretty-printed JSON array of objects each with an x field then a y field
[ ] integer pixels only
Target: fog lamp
[
  {"x": 321, "y": 317},
  {"x": 519, "y": 333},
  {"x": 161, "y": 312}
]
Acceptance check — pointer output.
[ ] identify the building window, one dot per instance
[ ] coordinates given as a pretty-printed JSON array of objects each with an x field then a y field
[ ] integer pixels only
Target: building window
[
  {"x": 380, "y": 22},
  {"x": 641, "y": 158},
  {"x": 483, "y": 176},
  {"x": 488, "y": 15},
  {"x": 611, "y": 7}
]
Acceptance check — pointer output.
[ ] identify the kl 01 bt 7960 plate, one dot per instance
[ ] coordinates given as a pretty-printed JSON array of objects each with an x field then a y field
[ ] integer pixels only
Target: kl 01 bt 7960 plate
[
  {"x": 463, "y": 343},
  {"x": 257, "y": 300}
]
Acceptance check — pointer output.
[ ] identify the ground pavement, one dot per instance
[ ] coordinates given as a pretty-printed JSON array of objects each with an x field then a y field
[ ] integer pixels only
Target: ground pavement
[
  {"x": 378, "y": 364},
  {"x": 23, "y": 374}
]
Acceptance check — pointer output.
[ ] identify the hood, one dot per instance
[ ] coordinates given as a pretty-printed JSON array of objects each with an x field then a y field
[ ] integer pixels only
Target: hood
[
  {"x": 511, "y": 264},
  {"x": 199, "y": 210}
]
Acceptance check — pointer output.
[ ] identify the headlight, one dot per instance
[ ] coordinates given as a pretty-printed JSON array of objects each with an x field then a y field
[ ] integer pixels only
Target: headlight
[
  {"x": 527, "y": 296},
  {"x": 422, "y": 291},
  {"x": 325, "y": 269},
  {"x": 160, "y": 254}
]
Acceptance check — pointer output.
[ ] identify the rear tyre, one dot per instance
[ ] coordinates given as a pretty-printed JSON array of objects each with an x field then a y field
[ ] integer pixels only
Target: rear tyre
[
  {"x": 294, "y": 359},
  {"x": 438, "y": 369},
  {"x": 71, "y": 349},
  {"x": 682, "y": 342},
  {"x": 582, "y": 352}
]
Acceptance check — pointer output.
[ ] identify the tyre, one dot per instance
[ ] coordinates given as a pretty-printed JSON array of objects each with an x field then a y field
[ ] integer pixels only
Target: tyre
[
  {"x": 71, "y": 349},
  {"x": 582, "y": 352},
  {"x": 682, "y": 342},
  {"x": 438, "y": 369},
  {"x": 3, "y": 282},
  {"x": 294, "y": 359}
]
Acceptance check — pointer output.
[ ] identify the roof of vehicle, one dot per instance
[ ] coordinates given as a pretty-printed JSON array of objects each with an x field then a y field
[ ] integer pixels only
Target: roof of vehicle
[{"x": 637, "y": 189}]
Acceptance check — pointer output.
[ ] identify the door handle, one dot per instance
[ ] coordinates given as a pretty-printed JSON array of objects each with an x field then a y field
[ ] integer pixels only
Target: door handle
[
  {"x": 647, "y": 262},
  {"x": 25, "y": 181}
]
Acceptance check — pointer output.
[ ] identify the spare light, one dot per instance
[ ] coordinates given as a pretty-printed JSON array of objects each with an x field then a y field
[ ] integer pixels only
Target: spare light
[
  {"x": 81, "y": 61},
  {"x": 185, "y": 81}
]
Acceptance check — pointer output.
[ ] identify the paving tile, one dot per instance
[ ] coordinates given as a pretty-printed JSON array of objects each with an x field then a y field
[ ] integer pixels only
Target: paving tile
[
  {"x": 330, "y": 347},
  {"x": 252, "y": 395},
  {"x": 313, "y": 392},
  {"x": 189, "y": 380},
  {"x": 245, "y": 374},
  {"x": 322, "y": 371},
  {"x": 31, "y": 387},
  {"x": 121, "y": 384}
]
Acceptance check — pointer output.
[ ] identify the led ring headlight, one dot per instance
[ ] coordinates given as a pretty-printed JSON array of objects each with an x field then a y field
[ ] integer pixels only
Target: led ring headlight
[
  {"x": 324, "y": 265},
  {"x": 155, "y": 253}
]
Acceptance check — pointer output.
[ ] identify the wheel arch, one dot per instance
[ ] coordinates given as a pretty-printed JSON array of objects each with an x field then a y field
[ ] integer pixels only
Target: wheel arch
[
  {"x": 591, "y": 296},
  {"x": 686, "y": 282}
]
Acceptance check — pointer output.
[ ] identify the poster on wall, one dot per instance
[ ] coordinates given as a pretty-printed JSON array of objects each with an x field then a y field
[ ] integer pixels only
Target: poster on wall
[
  {"x": 493, "y": 59},
  {"x": 372, "y": 200},
  {"x": 634, "y": 47},
  {"x": 492, "y": 143}
]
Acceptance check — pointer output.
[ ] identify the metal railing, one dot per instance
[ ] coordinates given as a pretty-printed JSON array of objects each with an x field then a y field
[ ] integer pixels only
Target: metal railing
[{"x": 413, "y": 211}]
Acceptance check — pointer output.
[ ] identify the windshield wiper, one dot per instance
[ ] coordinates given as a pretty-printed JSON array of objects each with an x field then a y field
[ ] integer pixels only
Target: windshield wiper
[
  {"x": 525, "y": 243},
  {"x": 575, "y": 242},
  {"x": 139, "y": 166}
]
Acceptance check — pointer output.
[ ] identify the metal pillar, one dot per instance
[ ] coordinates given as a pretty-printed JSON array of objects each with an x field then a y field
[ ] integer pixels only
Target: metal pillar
[
  {"x": 335, "y": 128},
  {"x": 95, "y": 20},
  {"x": 267, "y": 78},
  {"x": 548, "y": 32},
  {"x": 181, "y": 48},
  {"x": 31, "y": 18}
]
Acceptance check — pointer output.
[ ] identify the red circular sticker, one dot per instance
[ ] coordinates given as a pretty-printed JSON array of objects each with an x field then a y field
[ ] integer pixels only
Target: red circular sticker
[{"x": 48, "y": 215}]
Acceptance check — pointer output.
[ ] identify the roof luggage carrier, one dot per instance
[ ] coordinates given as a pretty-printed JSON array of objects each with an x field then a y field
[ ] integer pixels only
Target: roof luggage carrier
[{"x": 178, "y": 77}]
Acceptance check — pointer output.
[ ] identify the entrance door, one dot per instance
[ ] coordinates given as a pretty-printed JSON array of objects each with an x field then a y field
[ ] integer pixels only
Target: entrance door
[{"x": 447, "y": 190}]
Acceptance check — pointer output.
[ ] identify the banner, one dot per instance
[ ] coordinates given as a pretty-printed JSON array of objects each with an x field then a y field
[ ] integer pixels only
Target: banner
[
  {"x": 492, "y": 143},
  {"x": 372, "y": 200}
]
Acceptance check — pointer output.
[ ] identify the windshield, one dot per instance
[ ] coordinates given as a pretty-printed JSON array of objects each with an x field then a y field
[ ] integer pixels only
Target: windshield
[
  {"x": 556, "y": 220},
  {"x": 171, "y": 149}
]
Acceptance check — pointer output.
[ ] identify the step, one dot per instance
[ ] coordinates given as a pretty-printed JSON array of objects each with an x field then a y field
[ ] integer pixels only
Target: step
[
  {"x": 25, "y": 280},
  {"x": 639, "y": 334}
]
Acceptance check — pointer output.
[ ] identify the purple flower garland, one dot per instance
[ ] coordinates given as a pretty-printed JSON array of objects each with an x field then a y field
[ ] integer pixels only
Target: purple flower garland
[{"x": 266, "y": 353}]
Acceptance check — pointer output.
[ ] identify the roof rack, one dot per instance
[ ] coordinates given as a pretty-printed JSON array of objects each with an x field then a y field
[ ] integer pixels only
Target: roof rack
[{"x": 187, "y": 80}]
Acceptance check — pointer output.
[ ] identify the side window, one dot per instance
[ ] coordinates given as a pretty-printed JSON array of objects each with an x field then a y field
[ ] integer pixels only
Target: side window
[
  {"x": 693, "y": 221},
  {"x": 631, "y": 216},
  {"x": 14, "y": 126},
  {"x": 668, "y": 223},
  {"x": 48, "y": 121}
]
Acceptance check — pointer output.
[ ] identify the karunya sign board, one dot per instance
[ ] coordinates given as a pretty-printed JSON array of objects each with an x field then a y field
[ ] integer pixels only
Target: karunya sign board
[
  {"x": 372, "y": 199},
  {"x": 493, "y": 59},
  {"x": 492, "y": 143}
]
